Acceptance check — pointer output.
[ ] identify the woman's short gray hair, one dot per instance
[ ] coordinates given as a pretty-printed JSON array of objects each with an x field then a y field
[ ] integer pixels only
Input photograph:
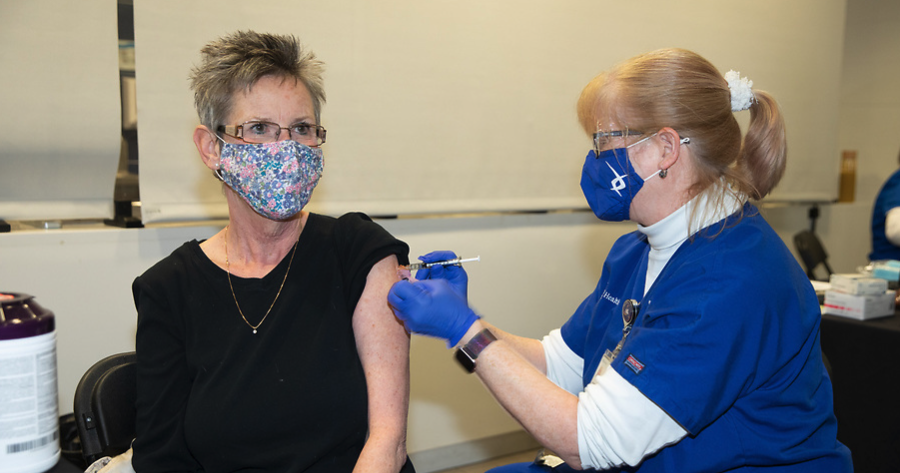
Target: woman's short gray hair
[{"x": 237, "y": 61}]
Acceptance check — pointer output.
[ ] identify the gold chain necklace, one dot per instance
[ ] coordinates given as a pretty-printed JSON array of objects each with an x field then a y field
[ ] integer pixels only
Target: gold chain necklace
[{"x": 228, "y": 271}]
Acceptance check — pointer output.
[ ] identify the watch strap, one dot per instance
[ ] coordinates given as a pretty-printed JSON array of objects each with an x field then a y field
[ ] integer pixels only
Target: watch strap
[{"x": 469, "y": 352}]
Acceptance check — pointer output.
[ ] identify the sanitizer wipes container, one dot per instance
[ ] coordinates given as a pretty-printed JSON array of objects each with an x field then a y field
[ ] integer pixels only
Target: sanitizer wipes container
[{"x": 29, "y": 403}]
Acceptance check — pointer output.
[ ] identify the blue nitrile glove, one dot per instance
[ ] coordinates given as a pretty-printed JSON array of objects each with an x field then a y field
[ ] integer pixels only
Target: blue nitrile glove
[
  {"x": 455, "y": 274},
  {"x": 432, "y": 307}
]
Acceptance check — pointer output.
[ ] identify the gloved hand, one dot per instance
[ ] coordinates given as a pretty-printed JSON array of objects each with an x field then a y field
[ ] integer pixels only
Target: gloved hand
[
  {"x": 432, "y": 307},
  {"x": 454, "y": 274}
]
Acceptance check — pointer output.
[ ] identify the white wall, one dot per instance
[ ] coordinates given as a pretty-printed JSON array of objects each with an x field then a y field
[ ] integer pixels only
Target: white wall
[
  {"x": 480, "y": 94},
  {"x": 870, "y": 98},
  {"x": 843, "y": 229}
]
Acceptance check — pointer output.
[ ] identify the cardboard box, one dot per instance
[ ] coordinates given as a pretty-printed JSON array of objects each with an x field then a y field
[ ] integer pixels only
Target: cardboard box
[
  {"x": 858, "y": 284},
  {"x": 859, "y": 307}
]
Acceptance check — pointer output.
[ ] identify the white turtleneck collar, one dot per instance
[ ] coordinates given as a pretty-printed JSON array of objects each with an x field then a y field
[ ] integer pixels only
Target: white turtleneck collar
[{"x": 667, "y": 235}]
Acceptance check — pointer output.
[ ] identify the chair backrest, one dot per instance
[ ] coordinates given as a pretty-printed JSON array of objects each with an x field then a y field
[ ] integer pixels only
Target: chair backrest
[
  {"x": 811, "y": 252},
  {"x": 104, "y": 407}
]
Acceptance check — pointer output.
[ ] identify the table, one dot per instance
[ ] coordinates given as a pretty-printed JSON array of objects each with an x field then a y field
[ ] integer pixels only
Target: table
[{"x": 865, "y": 366}]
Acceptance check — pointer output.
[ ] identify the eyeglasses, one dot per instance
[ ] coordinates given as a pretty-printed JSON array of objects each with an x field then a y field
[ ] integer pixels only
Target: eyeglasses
[
  {"x": 267, "y": 132},
  {"x": 602, "y": 138}
]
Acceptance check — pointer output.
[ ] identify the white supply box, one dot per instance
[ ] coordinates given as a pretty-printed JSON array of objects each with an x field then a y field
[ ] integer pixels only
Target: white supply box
[
  {"x": 859, "y": 307},
  {"x": 858, "y": 284}
]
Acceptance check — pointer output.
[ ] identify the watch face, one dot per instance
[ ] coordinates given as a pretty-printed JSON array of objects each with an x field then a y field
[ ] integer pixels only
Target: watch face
[
  {"x": 629, "y": 311},
  {"x": 467, "y": 362}
]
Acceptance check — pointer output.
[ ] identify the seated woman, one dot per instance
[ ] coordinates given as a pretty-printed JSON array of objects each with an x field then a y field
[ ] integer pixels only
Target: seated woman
[{"x": 270, "y": 346}]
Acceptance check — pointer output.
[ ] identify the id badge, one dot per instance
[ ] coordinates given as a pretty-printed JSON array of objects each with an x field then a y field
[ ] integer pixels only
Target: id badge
[{"x": 607, "y": 360}]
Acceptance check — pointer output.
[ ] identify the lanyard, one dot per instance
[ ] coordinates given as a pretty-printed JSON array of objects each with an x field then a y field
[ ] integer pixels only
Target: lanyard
[{"x": 630, "y": 309}]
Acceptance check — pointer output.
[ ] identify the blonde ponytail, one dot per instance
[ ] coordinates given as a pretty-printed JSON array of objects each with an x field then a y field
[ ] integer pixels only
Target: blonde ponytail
[{"x": 763, "y": 155}]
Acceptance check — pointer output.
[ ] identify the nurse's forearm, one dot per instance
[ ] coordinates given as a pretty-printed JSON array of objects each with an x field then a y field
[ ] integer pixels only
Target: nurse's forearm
[
  {"x": 530, "y": 349},
  {"x": 545, "y": 410}
]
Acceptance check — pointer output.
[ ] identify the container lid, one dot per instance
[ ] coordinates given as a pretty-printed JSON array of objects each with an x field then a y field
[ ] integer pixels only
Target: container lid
[{"x": 22, "y": 317}]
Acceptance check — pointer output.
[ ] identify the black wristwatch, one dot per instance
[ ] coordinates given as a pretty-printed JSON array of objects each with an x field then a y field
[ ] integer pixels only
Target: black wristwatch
[{"x": 469, "y": 352}]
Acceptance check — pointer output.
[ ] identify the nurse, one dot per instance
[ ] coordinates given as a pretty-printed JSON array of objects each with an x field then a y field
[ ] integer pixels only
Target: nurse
[{"x": 699, "y": 348}]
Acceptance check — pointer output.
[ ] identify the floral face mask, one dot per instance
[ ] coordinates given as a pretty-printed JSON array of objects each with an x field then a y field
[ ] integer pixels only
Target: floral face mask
[{"x": 275, "y": 179}]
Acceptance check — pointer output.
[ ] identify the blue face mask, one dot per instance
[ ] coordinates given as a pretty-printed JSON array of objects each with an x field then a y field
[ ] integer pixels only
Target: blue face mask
[{"x": 609, "y": 183}]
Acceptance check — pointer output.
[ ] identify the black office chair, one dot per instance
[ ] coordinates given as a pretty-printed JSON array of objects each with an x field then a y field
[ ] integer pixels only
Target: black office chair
[
  {"x": 104, "y": 407},
  {"x": 812, "y": 253}
]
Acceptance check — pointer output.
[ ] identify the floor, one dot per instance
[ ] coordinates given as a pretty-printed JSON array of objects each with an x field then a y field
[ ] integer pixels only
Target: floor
[{"x": 525, "y": 456}]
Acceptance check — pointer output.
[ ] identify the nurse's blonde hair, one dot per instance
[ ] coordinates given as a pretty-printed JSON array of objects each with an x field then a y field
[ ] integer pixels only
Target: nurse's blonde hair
[{"x": 680, "y": 89}]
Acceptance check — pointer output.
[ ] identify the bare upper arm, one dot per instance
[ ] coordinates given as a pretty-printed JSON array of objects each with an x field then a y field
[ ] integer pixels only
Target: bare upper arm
[{"x": 383, "y": 346}]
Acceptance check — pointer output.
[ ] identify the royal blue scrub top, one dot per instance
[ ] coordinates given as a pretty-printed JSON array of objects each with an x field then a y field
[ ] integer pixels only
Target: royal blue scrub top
[
  {"x": 888, "y": 198},
  {"x": 726, "y": 342}
]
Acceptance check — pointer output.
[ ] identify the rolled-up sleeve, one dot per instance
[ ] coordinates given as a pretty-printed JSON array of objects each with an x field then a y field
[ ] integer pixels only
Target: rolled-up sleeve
[
  {"x": 564, "y": 366},
  {"x": 618, "y": 425}
]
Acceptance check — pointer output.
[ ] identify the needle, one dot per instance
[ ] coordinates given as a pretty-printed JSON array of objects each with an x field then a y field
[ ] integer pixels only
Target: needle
[{"x": 457, "y": 262}]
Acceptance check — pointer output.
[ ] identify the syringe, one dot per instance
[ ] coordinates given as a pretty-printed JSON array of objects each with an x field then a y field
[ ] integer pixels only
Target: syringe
[{"x": 449, "y": 262}]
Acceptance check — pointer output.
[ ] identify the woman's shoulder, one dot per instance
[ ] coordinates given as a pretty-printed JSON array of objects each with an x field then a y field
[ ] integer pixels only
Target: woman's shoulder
[
  {"x": 357, "y": 221},
  {"x": 174, "y": 265},
  {"x": 351, "y": 221},
  {"x": 748, "y": 243},
  {"x": 354, "y": 236},
  {"x": 348, "y": 228},
  {"x": 627, "y": 248},
  {"x": 894, "y": 180},
  {"x": 746, "y": 256}
]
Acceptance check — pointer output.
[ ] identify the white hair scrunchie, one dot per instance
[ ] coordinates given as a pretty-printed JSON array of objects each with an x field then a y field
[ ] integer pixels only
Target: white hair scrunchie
[{"x": 741, "y": 91}]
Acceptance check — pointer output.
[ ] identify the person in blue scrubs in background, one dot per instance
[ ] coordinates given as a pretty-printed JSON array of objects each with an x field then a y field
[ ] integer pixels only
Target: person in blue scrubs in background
[
  {"x": 886, "y": 221},
  {"x": 699, "y": 348}
]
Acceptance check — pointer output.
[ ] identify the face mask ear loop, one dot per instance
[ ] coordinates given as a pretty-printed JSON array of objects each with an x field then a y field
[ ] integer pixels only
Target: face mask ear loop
[
  {"x": 219, "y": 145},
  {"x": 640, "y": 141},
  {"x": 217, "y": 171},
  {"x": 635, "y": 144}
]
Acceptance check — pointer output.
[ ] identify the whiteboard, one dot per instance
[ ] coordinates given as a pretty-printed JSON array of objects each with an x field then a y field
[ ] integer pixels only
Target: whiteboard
[
  {"x": 60, "y": 130},
  {"x": 469, "y": 105}
]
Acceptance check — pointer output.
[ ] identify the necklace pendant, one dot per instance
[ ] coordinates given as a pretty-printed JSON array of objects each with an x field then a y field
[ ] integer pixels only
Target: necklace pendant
[{"x": 231, "y": 286}]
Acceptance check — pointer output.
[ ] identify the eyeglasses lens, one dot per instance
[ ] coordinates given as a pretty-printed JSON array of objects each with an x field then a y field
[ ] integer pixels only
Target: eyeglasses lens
[{"x": 266, "y": 132}]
